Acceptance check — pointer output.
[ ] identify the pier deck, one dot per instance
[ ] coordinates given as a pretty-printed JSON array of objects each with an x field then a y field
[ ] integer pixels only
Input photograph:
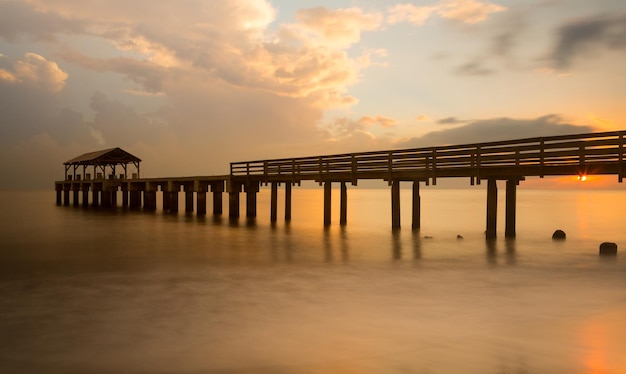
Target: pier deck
[{"x": 512, "y": 161}]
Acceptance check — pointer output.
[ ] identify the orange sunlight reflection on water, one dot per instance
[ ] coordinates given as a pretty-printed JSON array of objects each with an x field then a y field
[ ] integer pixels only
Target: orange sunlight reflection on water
[{"x": 600, "y": 338}]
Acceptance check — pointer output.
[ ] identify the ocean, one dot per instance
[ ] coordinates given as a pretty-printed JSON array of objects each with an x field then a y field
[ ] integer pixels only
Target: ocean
[{"x": 86, "y": 290}]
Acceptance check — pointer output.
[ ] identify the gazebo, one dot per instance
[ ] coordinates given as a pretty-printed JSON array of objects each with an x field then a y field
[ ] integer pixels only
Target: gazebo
[{"x": 101, "y": 161}]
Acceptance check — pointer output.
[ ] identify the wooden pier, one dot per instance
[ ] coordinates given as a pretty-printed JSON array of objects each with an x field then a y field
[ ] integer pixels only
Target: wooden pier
[{"x": 510, "y": 161}]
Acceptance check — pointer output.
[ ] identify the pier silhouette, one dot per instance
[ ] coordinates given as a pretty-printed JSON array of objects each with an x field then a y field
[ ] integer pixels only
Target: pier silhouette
[{"x": 511, "y": 161}]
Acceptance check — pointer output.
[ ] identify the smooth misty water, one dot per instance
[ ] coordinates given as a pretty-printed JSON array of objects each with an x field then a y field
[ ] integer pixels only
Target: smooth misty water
[{"x": 93, "y": 291}]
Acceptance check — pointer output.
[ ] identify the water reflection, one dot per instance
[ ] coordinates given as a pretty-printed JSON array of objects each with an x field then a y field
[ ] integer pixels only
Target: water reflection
[
  {"x": 340, "y": 242},
  {"x": 491, "y": 251},
  {"x": 417, "y": 245},
  {"x": 396, "y": 245}
]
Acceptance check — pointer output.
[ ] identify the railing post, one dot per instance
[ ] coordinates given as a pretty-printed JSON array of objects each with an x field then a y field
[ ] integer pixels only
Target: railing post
[
  {"x": 354, "y": 170},
  {"x": 390, "y": 165},
  {"x": 320, "y": 168},
  {"x": 478, "y": 160},
  {"x": 434, "y": 166},
  {"x": 541, "y": 158},
  {"x": 581, "y": 157},
  {"x": 620, "y": 167}
]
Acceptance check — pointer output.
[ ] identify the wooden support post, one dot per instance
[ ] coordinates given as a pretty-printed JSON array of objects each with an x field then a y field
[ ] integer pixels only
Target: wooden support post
[
  {"x": 233, "y": 200},
  {"x": 95, "y": 197},
  {"x": 511, "y": 197},
  {"x": 217, "y": 189},
  {"x": 395, "y": 204},
  {"x": 251, "y": 190},
  {"x": 233, "y": 204},
  {"x": 201, "y": 203},
  {"x": 59, "y": 198},
  {"x": 85, "y": 197},
  {"x": 343, "y": 212},
  {"x": 166, "y": 199},
  {"x": 417, "y": 206},
  {"x": 287, "y": 201},
  {"x": 492, "y": 208},
  {"x": 188, "y": 200},
  {"x": 107, "y": 199},
  {"x": 327, "y": 202},
  {"x": 274, "y": 202},
  {"x": 124, "y": 197},
  {"x": 114, "y": 197},
  {"x": 149, "y": 200},
  {"x": 174, "y": 201},
  {"x": 66, "y": 196},
  {"x": 135, "y": 199},
  {"x": 75, "y": 197}
]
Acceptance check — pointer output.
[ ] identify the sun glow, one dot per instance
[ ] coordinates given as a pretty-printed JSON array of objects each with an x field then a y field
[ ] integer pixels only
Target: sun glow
[{"x": 582, "y": 178}]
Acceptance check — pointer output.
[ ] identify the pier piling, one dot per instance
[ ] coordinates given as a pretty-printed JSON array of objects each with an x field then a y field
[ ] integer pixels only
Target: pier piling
[
  {"x": 395, "y": 204},
  {"x": 343, "y": 214},
  {"x": 274, "y": 202},
  {"x": 492, "y": 208},
  {"x": 327, "y": 202},
  {"x": 287, "y": 201},
  {"x": 201, "y": 203},
  {"x": 417, "y": 202},
  {"x": 511, "y": 198},
  {"x": 217, "y": 189}
]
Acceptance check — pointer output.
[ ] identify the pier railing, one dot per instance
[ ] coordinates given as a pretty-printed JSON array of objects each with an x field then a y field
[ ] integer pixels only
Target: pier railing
[{"x": 593, "y": 153}]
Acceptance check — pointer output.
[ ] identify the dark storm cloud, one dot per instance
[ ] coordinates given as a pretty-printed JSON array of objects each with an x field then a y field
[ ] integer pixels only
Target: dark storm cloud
[
  {"x": 584, "y": 37},
  {"x": 497, "y": 129}
]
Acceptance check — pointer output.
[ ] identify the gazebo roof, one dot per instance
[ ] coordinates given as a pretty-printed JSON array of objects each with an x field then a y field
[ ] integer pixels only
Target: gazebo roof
[{"x": 104, "y": 157}]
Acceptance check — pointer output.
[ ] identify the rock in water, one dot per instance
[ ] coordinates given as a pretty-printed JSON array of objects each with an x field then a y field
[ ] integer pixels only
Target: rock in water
[
  {"x": 608, "y": 249},
  {"x": 558, "y": 235}
]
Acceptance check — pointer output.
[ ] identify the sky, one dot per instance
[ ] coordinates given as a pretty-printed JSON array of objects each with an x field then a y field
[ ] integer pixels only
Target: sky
[{"x": 190, "y": 86}]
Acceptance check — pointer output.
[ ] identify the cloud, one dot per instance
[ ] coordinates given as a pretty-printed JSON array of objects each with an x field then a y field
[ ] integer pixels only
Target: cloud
[
  {"x": 381, "y": 121},
  {"x": 583, "y": 38},
  {"x": 410, "y": 13},
  {"x": 347, "y": 127},
  {"x": 468, "y": 11},
  {"x": 475, "y": 68},
  {"x": 451, "y": 121},
  {"x": 495, "y": 130},
  {"x": 464, "y": 11},
  {"x": 227, "y": 41},
  {"x": 35, "y": 70},
  {"x": 340, "y": 27},
  {"x": 19, "y": 20}
]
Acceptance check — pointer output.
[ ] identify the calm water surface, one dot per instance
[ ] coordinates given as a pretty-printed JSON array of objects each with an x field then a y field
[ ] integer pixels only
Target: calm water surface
[{"x": 94, "y": 291}]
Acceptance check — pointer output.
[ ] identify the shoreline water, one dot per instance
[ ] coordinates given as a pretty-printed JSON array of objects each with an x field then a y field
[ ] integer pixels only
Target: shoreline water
[{"x": 118, "y": 291}]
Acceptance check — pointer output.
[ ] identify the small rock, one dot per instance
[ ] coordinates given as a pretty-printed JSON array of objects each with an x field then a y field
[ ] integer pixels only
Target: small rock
[
  {"x": 459, "y": 236},
  {"x": 558, "y": 235},
  {"x": 608, "y": 249},
  {"x": 428, "y": 237}
]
